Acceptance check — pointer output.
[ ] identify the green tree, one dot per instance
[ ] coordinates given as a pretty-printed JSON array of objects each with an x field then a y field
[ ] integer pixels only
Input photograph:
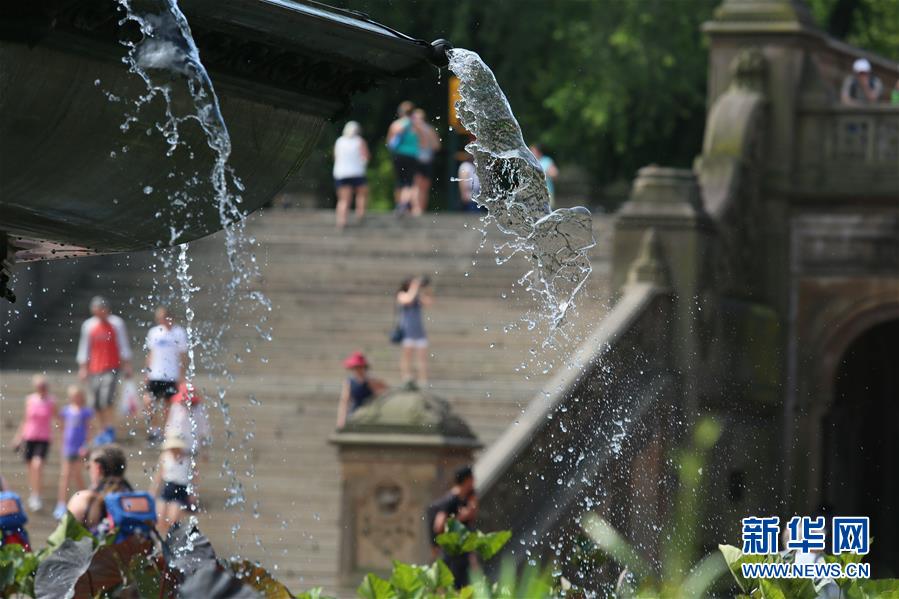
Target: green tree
[{"x": 609, "y": 85}]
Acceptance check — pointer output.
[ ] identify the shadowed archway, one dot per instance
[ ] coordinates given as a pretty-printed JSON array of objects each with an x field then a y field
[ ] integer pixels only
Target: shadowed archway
[{"x": 861, "y": 441}]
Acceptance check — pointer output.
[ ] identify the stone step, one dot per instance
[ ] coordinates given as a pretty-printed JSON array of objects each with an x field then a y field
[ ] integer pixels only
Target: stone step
[{"x": 331, "y": 293}]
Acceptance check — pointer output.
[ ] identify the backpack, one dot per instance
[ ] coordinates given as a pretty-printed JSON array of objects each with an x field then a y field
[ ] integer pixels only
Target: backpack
[
  {"x": 12, "y": 521},
  {"x": 131, "y": 512}
]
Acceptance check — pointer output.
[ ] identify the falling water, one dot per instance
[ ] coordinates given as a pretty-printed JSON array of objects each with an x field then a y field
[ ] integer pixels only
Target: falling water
[
  {"x": 167, "y": 60},
  {"x": 513, "y": 189}
]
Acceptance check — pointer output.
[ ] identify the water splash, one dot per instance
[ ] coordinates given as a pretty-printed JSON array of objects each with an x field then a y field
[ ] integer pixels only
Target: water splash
[
  {"x": 513, "y": 189},
  {"x": 167, "y": 61}
]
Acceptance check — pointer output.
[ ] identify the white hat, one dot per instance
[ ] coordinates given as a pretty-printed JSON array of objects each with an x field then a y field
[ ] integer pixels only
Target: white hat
[{"x": 861, "y": 66}]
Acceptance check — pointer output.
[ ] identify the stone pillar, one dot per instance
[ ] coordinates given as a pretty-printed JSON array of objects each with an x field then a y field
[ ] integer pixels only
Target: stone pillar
[
  {"x": 397, "y": 455},
  {"x": 662, "y": 231}
]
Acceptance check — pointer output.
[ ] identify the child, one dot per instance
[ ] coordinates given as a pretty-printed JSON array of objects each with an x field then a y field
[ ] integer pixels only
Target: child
[
  {"x": 358, "y": 389},
  {"x": 76, "y": 418},
  {"x": 35, "y": 432},
  {"x": 173, "y": 475},
  {"x": 187, "y": 418}
]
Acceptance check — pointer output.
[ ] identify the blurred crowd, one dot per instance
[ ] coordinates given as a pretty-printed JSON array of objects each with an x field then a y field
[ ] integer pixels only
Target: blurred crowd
[
  {"x": 104, "y": 399},
  {"x": 413, "y": 143}
]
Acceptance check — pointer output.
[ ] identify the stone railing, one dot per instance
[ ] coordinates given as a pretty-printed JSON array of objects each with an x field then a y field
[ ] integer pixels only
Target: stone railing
[
  {"x": 849, "y": 150},
  {"x": 571, "y": 450}
]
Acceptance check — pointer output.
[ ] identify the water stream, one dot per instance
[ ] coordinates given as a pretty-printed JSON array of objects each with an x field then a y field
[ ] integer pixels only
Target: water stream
[
  {"x": 513, "y": 190},
  {"x": 167, "y": 61}
]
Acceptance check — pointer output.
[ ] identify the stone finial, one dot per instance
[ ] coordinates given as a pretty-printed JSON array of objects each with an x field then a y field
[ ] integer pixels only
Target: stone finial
[
  {"x": 770, "y": 15},
  {"x": 663, "y": 191},
  {"x": 407, "y": 415},
  {"x": 650, "y": 265},
  {"x": 748, "y": 70},
  {"x": 397, "y": 455}
]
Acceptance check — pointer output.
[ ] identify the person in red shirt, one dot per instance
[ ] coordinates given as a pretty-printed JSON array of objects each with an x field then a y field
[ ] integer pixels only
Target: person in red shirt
[{"x": 103, "y": 352}]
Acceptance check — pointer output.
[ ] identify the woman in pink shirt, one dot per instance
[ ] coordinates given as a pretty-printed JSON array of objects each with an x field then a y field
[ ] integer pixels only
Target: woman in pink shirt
[{"x": 35, "y": 432}]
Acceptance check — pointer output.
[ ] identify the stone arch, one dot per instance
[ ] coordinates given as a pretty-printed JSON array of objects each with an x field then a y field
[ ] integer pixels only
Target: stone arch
[
  {"x": 854, "y": 322},
  {"x": 860, "y": 438},
  {"x": 818, "y": 385}
]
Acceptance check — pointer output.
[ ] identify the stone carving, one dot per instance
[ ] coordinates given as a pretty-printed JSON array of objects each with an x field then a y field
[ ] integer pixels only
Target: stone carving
[
  {"x": 731, "y": 172},
  {"x": 387, "y": 526},
  {"x": 749, "y": 69}
]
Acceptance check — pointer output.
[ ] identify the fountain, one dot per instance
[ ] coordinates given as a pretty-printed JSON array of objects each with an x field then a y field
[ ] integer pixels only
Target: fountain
[{"x": 281, "y": 70}]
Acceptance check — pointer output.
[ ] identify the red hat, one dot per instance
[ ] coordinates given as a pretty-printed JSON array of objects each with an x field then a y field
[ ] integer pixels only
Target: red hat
[{"x": 355, "y": 360}]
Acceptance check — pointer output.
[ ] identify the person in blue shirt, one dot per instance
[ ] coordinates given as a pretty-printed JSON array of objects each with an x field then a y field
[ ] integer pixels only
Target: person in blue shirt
[
  {"x": 549, "y": 169},
  {"x": 404, "y": 142},
  {"x": 358, "y": 389}
]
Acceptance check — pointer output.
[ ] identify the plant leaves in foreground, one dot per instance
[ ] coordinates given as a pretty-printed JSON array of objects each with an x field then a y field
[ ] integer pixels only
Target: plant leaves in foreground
[
  {"x": 59, "y": 572},
  {"x": 211, "y": 581}
]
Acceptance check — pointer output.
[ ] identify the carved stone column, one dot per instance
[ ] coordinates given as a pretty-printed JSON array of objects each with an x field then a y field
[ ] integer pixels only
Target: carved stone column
[
  {"x": 663, "y": 232},
  {"x": 397, "y": 455}
]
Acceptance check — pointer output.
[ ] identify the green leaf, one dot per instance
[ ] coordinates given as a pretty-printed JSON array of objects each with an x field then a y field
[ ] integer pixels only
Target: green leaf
[
  {"x": 735, "y": 559},
  {"x": 490, "y": 544},
  {"x": 145, "y": 575},
  {"x": 610, "y": 541},
  {"x": 451, "y": 542},
  {"x": 69, "y": 528},
  {"x": 314, "y": 593},
  {"x": 704, "y": 575},
  {"x": 441, "y": 576},
  {"x": 375, "y": 587},
  {"x": 406, "y": 579},
  {"x": 771, "y": 589},
  {"x": 886, "y": 588}
]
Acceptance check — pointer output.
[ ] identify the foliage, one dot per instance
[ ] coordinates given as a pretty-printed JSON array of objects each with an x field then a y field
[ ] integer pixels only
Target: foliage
[
  {"x": 869, "y": 24},
  {"x": 75, "y": 563},
  {"x": 458, "y": 540},
  {"x": 17, "y": 571},
  {"x": 380, "y": 180},
  {"x": 768, "y": 588},
  {"x": 409, "y": 581},
  {"x": 607, "y": 86},
  {"x": 678, "y": 578}
]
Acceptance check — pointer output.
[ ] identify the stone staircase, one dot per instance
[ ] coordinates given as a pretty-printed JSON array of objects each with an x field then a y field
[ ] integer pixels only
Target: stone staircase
[{"x": 331, "y": 293}]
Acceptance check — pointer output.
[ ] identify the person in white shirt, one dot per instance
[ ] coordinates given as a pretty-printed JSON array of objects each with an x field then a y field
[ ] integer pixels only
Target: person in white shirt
[
  {"x": 351, "y": 156},
  {"x": 172, "y": 483},
  {"x": 167, "y": 357}
]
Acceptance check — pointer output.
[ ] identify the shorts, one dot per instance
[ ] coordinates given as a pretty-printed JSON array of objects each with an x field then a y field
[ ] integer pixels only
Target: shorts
[
  {"x": 72, "y": 457},
  {"x": 36, "y": 449},
  {"x": 425, "y": 169},
  {"x": 420, "y": 343},
  {"x": 162, "y": 390},
  {"x": 405, "y": 168},
  {"x": 102, "y": 388},
  {"x": 175, "y": 493},
  {"x": 354, "y": 182}
]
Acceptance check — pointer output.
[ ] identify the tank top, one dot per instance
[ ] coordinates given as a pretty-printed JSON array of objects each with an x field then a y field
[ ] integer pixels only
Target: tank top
[
  {"x": 39, "y": 414},
  {"x": 411, "y": 321},
  {"x": 348, "y": 159},
  {"x": 176, "y": 470},
  {"x": 360, "y": 393},
  {"x": 408, "y": 145}
]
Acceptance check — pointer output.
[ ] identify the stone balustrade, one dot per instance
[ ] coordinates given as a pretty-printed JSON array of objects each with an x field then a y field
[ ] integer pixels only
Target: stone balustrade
[{"x": 848, "y": 150}]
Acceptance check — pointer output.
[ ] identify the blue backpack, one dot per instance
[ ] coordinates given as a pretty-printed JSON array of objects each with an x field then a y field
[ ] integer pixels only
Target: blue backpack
[
  {"x": 132, "y": 512},
  {"x": 12, "y": 520}
]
